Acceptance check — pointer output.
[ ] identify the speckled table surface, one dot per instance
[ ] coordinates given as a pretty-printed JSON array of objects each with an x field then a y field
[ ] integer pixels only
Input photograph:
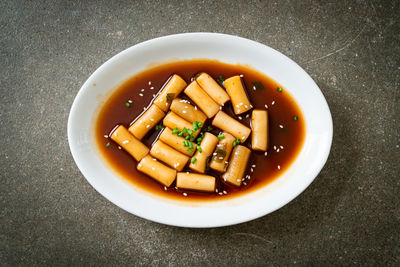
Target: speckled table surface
[{"x": 50, "y": 215}]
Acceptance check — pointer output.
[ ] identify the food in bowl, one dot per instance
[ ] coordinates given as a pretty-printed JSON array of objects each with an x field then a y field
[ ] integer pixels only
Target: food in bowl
[{"x": 200, "y": 130}]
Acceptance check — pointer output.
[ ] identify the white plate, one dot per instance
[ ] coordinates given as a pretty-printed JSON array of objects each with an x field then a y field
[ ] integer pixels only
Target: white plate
[{"x": 225, "y": 48}]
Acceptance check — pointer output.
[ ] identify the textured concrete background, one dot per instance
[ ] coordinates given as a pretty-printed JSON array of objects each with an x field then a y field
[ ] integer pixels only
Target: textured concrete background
[{"x": 49, "y": 213}]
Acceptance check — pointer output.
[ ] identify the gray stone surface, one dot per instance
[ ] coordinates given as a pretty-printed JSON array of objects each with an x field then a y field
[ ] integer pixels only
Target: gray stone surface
[{"x": 50, "y": 215}]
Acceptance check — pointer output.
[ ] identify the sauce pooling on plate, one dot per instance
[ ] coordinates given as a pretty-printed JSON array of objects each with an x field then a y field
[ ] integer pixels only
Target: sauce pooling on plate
[{"x": 250, "y": 126}]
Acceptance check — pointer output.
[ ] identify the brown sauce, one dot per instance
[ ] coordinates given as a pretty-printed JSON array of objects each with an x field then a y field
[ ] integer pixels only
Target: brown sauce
[{"x": 286, "y": 135}]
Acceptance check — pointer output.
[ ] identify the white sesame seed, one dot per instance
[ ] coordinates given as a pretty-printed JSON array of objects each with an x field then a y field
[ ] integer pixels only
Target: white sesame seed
[
  {"x": 221, "y": 157},
  {"x": 277, "y": 150},
  {"x": 241, "y": 104},
  {"x": 247, "y": 115},
  {"x": 220, "y": 107},
  {"x": 281, "y": 126},
  {"x": 223, "y": 104},
  {"x": 244, "y": 183},
  {"x": 106, "y": 136},
  {"x": 224, "y": 192},
  {"x": 254, "y": 165},
  {"x": 251, "y": 169},
  {"x": 220, "y": 193},
  {"x": 216, "y": 190},
  {"x": 226, "y": 162},
  {"x": 224, "y": 179},
  {"x": 254, "y": 88},
  {"x": 241, "y": 75},
  {"x": 240, "y": 118},
  {"x": 243, "y": 137},
  {"x": 154, "y": 159},
  {"x": 184, "y": 111},
  {"x": 144, "y": 108},
  {"x": 214, "y": 154},
  {"x": 266, "y": 153},
  {"x": 281, "y": 147},
  {"x": 177, "y": 164},
  {"x": 195, "y": 107},
  {"x": 184, "y": 194},
  {"x": 139, "y": 165},
  {"x": 154, "y": 95},
  {"x": 141, "y": 94},
  {"x": 279, "y": 167},
  {"x": 119, "y": 147},
  {"x": 273, "y": 102},
  {"x": 152, "y": 88},
  {"x": 149, "y": 82},
  {"x": 246, "y": 106},
  {"x": 176, "y": 187},
  {"x": 236, "y": 153},
  {"x": 148, "y": 126},
  {"x": 266, "y": 106},
  {"x": 237, "y": 106},
  {"x": 274, "y": 147},
  {"x": 251, "y": 105},
  {"x": 187, "y": 172},
  {"x": 166, "y": 103},
  {"x": 130, "y": 101},
  {"x": 165, "y": 188},
  {"x": 125, "y": 142},
  {"x": 142, "y": 90},
  {"x": 238, "y": 180}
]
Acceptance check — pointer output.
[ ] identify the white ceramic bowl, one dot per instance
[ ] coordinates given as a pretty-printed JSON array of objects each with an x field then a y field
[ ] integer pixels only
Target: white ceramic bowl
[{"x": 225, "y": 48}]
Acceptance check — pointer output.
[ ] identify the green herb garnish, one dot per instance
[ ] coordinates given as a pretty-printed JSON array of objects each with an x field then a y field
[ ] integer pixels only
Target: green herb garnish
[
  {"x": 236, "y": 142},
  {"x": 185, "y": 143},
  {"x": 193, "y": 160},
  {"x": 190, "y": 150},
  {"x": 190, "y": 144},
  {"x": 279, "y": 89},
  {"x": 127, "y": 104},
  {"x": 199, "y": 149},
  {"x": 221, "y": 136},
  {"x": 258, "y": 86},
  {"x": 170, "y": 97},
  {"x": 187, "y": 137},
  {"x": 295, "y": 118},
  {"x": 220, "y": 80},
  {"x": 108, "y": 144},
  {"x": 159, "y": 127},
  {"x": 175, "y": 131}
]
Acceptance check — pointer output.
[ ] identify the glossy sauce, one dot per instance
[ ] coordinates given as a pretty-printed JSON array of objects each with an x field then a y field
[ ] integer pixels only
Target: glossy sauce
[{"x": 286, "y": 135}]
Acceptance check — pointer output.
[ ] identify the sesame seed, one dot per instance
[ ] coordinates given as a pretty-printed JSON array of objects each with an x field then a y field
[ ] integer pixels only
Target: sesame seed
[
  {"x": 251, "y": 169},
  {"x": 240, "y": 117},
  {"x": 152, "y": 88},
  {"x": 279, "y": 167},
  {"x": 254, "y": 165},
  {"x": 236, "y": 153},
  {"x": 216, "y": 190},
  {"x": 220, "y": 193},
  {"x": 241, "y": 75},
  {"x": 130, "y": 101},
  {"x": 139, "y": 165},
  {"x": 224, "y": 179},
  {"x": 246, "y": 106},
  {"x": 266, "y": 153},
  {"x": 281, "y": 126},
  {"x": 183, "y": 111},
  {"x": 254, "y": 88},
  {"x": 221, "y": 157},
  {"x": 251, "y": 105},
  {"x": 144, "y": 108},
  {"x": 226, "y": 162},
  {"x": 281, "y": 147},
  {"x": 176, "y": 187},
  {"x": 277, "y": 150},
  {"x": 154, "y": 159},
  {"x": 154, "y": 95},
  {"x": 214, "y": 154},
  {"x": 149, "y": 82},
  {"x": 247, "y": 115},
  {"x": 224, "y": 192},
  {"x": 223, "y": 104},
  {"x": 165, "y": 188},
  {"x": 273, "y": 102},
  {"x": 166, "y": 103},
  {"x": 142, "y": 90},
  {"x": 237, "y": 106},
  {"x": 184, "y": 194},
  {"x": 187, "y": 172},
  {"x": 244, "y": 183},
  {"x": 177, "y": 164},
  {"x": 106, "y": 136},
  {"x": 238, "y": 180},
  {"x": 195, "y": 107},
  {"x": 119, "y": 147},
  {"x": 266, "y": 106},
  {"x": 220, "y": 107},
  {"x": 274, "y": 147},
  {"x": 141, "y": 94},
  {"x": 125, "y": 142},
  {"x": 148, "y": 126},
  {"x": 243, "y": 137}
]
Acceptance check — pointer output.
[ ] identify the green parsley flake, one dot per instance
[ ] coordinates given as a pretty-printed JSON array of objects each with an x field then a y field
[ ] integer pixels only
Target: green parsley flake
[
  {"x": 193, "y": 160},
  {"x": 221, "y": 136}
]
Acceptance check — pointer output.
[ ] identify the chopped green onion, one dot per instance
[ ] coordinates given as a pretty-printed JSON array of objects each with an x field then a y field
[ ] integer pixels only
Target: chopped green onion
[
  {"x": 221, "y": 136},
  {"x": 190, "y": 131},
  {"x": 236, "y": 142},
  {"x": 185, "y": 143},
  {"x": 184, "y": 130},
  {"x": 193, "y": 160},
  {"x": 295, "y": 118},
  {"x": 170, "y": 97},
  {"x": 190, "y": 150},
  {"x": 108, "y": 144},
  {"x": 191, "y": 138},
  {"x": 175, "y": 131},
  {"x": 180, "y": 134},
  {"x": 187, "y": 137},
  {"x": 258, "y": 86},
  {"x": 127, "y": 104},
  {"x": 159, "y": 127},
  {"x": 190, "y": 144},
  {"x": 220, "y": 80},
  {"x": 199, "y": 149},
  {"x": 279, "y": 89},
  {"x": 200, "y": 124}
]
